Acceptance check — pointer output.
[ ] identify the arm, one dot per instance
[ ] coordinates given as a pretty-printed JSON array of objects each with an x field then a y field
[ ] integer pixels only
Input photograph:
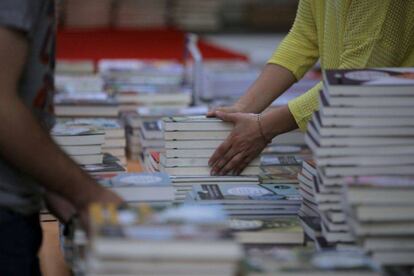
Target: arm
[
  {"x": 25, "y": 145},
  {"x": 295, "y": 55},
  {"x": 271, "y": 83}
]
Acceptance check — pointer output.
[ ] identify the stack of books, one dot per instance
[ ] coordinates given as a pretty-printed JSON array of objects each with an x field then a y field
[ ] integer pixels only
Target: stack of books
[
  {"x": 315, "y": 205},
  {"x": 282, "y": 159},
  {"x": 140, "y": 13},
  {"x": 87, "y": 13},
  {"x": 288, "y": 261},
  {"x": 74, "y": 79},
  {"x": 227, "y": 79},
  {"x": 246, "y": 201},
  {"x": 380, "y": 213},
  {"x": 152, "y": 188},
  {"x": 115, "y": 140},
  {"x": 282, "y": 230},
  {"x": 82, "y": 143},
  {"x": 82, "y": 95},
  {"x": 85, "y": 105},
  {"x": 111, "y": 166},
  {"x": 145, "y": 83},
  {"x": 364, "y": 127},
  {"x": 186, "y": 240},
  {"x": 145, "y": 133},
  {"x": 190, "y": 142},
  {"x": 183, "y": 185},
  {"x": 143, "y": 136}
]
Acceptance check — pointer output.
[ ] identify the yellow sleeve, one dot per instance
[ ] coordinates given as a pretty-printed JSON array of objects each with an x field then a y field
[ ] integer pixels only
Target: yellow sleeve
[
  {"x": 303, "y": 106},
  {"x": 299, "y": 49}
]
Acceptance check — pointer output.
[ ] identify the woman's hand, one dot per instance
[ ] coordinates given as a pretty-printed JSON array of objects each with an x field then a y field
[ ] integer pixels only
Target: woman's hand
[
  {"x": 236, "y": 108},
  {"x": 244, "y": 143}
]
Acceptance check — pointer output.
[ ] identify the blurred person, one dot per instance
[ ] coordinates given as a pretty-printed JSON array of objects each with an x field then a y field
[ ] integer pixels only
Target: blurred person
[
  {"x": 32, "y": 167},
  {"x": 341, "y": 34}
]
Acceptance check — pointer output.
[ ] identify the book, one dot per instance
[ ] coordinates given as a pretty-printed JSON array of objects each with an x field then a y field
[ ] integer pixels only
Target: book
[
  {"x": 192, "y": 162},
  {"x": 87, "y": 159},
  {"x": 139, "y": 187},
  {"x": 379, "y": 190},
  {"x": 195, "y": 135},
  {"x": 189, "y": 153},
  {"x": 193, "y": 144},
  {"x": 108, "y": 168},
  {"x": 75, "y": 136},
  {"x": 195, "y": 123},
  {"x": 205, "y": 170},
  {"x": 369, "y": 82},
  {"x": 93, "y": 105},
  {"x": 82, "y": 149},
  {"x": 383, "y": 213},
  {"x": 151, "y": 129},
  {"x": 154, "y": 112},
  {"x": 307, "y": 261},
  {"x": 221, "y": 179},
  {"x": 378, "y": 101},
  {"x": 387, "y": 131},
  {"x": 357, "y": 151},
  {"x": 160, "y": 240},
  {"x": 112, "y": 127},
  {"x": 366, "y": 160},
  {"x": 358, "y": 111},
  {"x": 246, "y": 194},
  {"x": 284, "y": 230}
]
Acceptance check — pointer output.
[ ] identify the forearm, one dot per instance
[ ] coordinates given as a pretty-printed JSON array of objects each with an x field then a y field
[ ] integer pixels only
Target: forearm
[
  {"x": 24, "y": 144},
  {"x": 277, "y": 121},
  {"x": 272, "y": 82}
]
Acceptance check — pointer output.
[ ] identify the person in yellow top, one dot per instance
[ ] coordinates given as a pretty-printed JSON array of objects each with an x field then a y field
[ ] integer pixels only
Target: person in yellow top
[{"x": 341, "y": 34}]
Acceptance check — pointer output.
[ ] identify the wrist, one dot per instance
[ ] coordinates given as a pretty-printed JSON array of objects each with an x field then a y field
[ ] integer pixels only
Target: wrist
[
  {"x": 277, "y": 121},
  {"x": 240, "y": 106},
  {"x": 88, "y": 195},
  {"x": 265, "y": 136}
]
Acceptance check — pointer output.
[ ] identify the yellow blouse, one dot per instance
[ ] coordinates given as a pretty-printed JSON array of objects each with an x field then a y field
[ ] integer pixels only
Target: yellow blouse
[{"x": 345, "y": 34}]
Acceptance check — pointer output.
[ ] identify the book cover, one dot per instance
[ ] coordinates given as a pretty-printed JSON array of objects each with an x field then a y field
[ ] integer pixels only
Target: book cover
[
  {"x": 74, "y": 130},
  {"x": 283, "y": 230},
  {"x": 261, "y": 192},
  {"x": 141, "y": 180},
  {"x": 370, "y": 77}
]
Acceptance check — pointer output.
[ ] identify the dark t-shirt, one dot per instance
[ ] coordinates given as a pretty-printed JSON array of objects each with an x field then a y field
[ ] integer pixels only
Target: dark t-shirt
[{"x": 34, "y": 18}]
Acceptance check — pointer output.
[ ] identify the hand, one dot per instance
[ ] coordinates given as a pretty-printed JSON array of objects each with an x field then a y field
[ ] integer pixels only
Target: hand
[
  {"x": 104, "y": 196},
  {"x": 236, "y": 108},
  {"x": 244, "y": 143}
]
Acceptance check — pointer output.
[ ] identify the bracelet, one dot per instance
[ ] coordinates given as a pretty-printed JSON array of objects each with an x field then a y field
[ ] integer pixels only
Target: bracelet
[{"x": 259, "y": 123}]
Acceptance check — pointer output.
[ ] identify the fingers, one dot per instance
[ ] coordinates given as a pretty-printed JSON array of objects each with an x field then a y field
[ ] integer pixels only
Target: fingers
[
  {"x": 220, "y": 151},
  {"x": 227, "y": 117},
  {"x": 219, "y": 165},
  {"x": 211, "y": 113},
  {"x": 225, "y": 109},
  {"x": 234, "y": 163},
  {"x": 246, "y": 161}
]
